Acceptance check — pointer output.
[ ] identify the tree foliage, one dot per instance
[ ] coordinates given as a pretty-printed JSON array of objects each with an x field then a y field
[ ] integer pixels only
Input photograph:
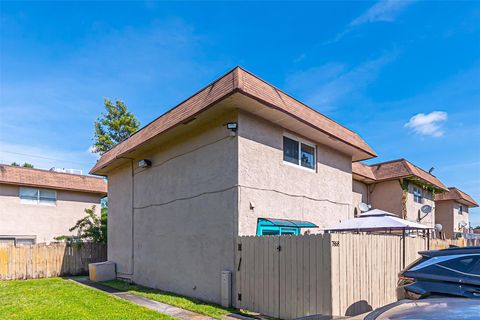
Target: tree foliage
[
  {"x": 25, "y": 165},
  {"x": 113, "y": 126},
  {"x": 90, "y": 228}
]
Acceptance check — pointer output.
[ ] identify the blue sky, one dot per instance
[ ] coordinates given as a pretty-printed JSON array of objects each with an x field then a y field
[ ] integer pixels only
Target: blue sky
[{"x": 405, "y": 75}]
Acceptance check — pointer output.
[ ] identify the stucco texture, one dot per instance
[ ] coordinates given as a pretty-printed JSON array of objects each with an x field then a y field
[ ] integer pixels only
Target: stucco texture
[
  {"x": 184, "y": 220},
  {"x": 359, "y": 195},
  {"x": 280, "y": 190},
  {"x": 42, "y": 221},
  {"x": 413, "y": 208},
  {"x": 447, "y": 214}
]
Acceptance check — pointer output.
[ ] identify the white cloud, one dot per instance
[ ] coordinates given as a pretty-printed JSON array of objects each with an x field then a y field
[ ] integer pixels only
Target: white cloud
[
  {"x": 429, "y": 124},
  {"x": 384, "y": 10}
]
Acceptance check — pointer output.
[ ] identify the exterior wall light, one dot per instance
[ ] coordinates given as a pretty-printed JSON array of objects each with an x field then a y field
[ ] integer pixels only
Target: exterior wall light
[
  {"x": 233, "y": 127},
  {"x": 144, "y": 163}
]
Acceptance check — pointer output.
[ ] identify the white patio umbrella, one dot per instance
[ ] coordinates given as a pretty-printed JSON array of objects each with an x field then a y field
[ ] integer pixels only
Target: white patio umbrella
[{"x": 376, "y": 220}]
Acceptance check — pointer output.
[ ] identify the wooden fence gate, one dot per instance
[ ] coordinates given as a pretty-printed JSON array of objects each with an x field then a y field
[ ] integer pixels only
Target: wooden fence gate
[{"x": 332, "y": 274}]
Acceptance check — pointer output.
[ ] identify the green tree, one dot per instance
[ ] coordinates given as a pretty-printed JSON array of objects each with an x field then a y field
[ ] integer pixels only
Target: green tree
[
  {"x": 25, "y": 165},
  {"x": 90, "y": 228},
  {"x": 113, "y": 126}
]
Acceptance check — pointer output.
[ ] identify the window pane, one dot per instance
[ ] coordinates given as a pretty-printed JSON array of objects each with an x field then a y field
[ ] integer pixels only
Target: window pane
[
  {"x": 270, "y": 232},
  {"x": 308, "y": 156},
  {"x": 48, "y": 197},
  {"x": 465, "y": 264},
  {"x": 290, "y": 150},
  {"x": 28, "y": 195},
  {"x": 25, "y": 241}
]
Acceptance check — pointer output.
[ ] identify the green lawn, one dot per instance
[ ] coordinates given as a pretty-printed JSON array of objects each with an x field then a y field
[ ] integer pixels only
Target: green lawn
[
  {"x": 192, "y": 304},
  {"x": 58, "y": 298}
]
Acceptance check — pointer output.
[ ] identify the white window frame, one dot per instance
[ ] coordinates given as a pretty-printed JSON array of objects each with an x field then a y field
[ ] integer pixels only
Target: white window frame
[
  {"x": 421, "y": 196},
  {"x": 37, "y": 201},
  {"x": 300, "y": 142}
]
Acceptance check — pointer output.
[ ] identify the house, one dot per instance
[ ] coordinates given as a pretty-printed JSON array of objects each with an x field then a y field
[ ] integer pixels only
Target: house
[
  {"x": 398, "y": 187},
  {"x": 452, "y": 211},
  {"x": 236, "y": 153},
  {"x": 38, "y": 205}
]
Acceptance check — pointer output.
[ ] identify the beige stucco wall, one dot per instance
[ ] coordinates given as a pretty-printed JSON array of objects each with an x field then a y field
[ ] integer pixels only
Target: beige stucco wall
[
  {"x": 184, "y": 221},
  {"x": 43, "y": 222},
  {"x": 359, "y": 195},
  {"x": 190, "y": 205},
  {"x": 447, "y": 214},
  {"x": 280, "y": 190},
  {"x": 387, "y": 196},
  {"x": 413, "y": 207},
  {"x": 457, "y": 217}
]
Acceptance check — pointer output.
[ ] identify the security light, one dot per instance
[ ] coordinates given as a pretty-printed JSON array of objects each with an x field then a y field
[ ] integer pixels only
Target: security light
[
  {"x": 232, "y": 126},
  {"x": 144, "y": 163}
]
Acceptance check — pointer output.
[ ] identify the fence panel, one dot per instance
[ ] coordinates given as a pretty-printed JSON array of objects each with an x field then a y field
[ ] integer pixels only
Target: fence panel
[
  {"x": 365, "y": 268},
  {"x": 43, "y": 261},
  {"x": 333, "y": 274}
]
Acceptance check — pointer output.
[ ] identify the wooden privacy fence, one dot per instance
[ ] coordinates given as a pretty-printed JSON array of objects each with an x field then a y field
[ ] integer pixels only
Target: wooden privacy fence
[
  {"x": 331, "y": 274},
  {"x": 53, "y": 260}
]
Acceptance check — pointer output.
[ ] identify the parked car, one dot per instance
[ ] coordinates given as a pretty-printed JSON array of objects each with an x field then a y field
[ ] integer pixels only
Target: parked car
[
  {"x": 445, "y": 308},
  {"x": 453, "y": 272}
]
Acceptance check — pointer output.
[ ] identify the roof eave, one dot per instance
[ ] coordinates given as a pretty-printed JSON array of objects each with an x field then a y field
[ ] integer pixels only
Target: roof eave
[{"x": 101, "y": 167}]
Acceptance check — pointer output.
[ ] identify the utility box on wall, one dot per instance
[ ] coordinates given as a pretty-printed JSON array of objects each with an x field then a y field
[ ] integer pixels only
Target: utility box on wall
[
  {"x": 102, "y": 271},
  {"x": 226, "y": 289}
]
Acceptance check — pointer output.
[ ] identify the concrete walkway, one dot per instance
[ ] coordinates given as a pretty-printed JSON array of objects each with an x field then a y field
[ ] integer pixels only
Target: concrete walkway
[{"x": 164, "y": 308}]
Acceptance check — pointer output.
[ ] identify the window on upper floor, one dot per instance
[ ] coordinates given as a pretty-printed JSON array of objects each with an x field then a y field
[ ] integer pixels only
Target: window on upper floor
[
  {"x": 38, "y": 196},
  {"x": 299, "y": 152},
  {"x": 418, "y": 194},
  {"x": 460, "y": 209}
]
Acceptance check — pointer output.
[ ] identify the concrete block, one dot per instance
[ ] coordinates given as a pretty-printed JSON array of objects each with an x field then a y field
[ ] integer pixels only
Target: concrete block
[{"x": 101, "y": 271}]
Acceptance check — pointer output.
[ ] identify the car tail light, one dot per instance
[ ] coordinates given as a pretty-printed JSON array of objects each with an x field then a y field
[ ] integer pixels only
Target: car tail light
[{"x": 404, "y": 281}]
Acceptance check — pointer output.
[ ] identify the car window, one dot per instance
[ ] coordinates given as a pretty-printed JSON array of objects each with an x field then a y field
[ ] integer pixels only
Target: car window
[{"x": 466, "y": 264}]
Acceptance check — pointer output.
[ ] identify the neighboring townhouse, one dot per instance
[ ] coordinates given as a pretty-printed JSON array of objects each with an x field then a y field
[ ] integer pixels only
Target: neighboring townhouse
[
  {"x": 452, "y": 212},
  {"x": 235, "y": 158},
  {"x": 398, "y": 187},
  {"x": 38, "y": 205}
]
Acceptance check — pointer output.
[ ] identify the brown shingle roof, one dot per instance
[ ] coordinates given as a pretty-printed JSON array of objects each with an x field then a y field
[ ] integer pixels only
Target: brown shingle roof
[
  {"x": 363, "y": 170},
  {"x": 456, "y": 194},
  {"x": 237, "y": 80},
  {"x": 51, "y": 180},
  {"x": 396, "y": 169}
]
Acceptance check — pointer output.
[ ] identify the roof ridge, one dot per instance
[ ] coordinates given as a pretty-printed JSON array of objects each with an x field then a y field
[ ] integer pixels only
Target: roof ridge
[
  {"x": 237, "y": 80},
  {"x": 177, "y": 105},
  {"x": 52, "y": 172},
  {"x": 288, "y": 95},
  {"x": 385, "y": 162},
  {"x": 408, "y": 165}
]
